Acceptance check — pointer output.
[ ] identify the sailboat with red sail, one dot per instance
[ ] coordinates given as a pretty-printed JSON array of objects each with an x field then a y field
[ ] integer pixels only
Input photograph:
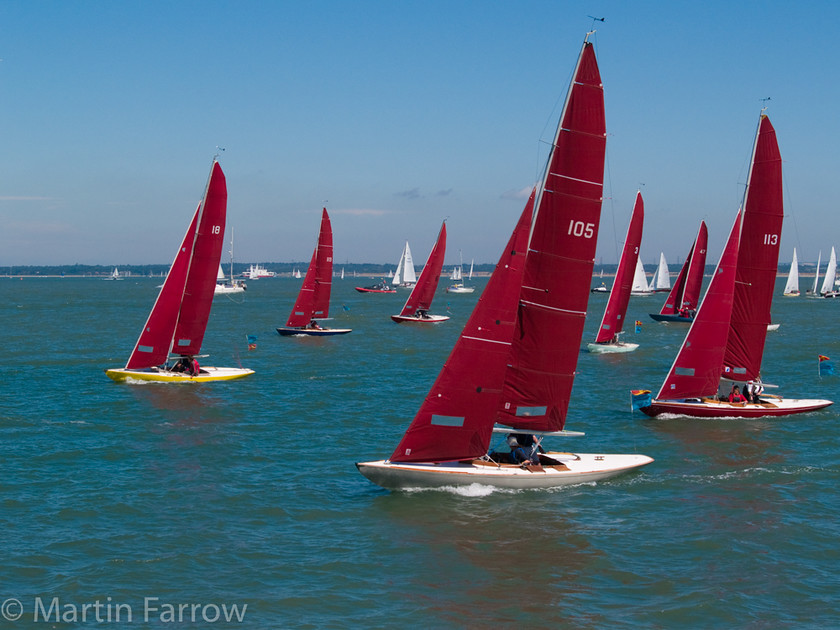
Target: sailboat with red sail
[
  {"x": 681, "y": 303},
  {"x": 514, "y": 363},
  {"x": 416, "y": 307},
  {"x": 725, "y": 344},
  {"x": 612, "y": 324},
  {"x": 313, "y": 300},
  {"x": 171, "y": 339}
]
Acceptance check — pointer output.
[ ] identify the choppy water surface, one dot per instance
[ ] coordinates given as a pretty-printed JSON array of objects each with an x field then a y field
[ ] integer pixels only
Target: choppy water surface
[{"x": 245, "y": 493}]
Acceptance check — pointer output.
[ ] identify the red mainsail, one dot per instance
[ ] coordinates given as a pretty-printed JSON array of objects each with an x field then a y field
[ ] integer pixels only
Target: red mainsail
[
  {"x": 758, "y": 258},
  {"x": 179, "y": 317},
  {"x": 696, "y": 370},
  {"x": 613, "y": 321},
  {"x": 423, "y": 292},
  {"x": 559, "y": 262},
  {"x": 455, "y": 420},
  {"x": 313, "y": 301}
]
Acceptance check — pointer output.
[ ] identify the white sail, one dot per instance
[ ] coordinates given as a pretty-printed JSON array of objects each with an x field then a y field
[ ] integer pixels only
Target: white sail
[
  {"x": 220, "y": 275},
  {"x": 828, "y": 281},
  {"x": 640, "y": 283},
  {"x": 471, "y": 267},
  {"x": 405, "y": 274},
  {"x": 663, "y": 276},
  {"x": 816, "y": 275},
  {"x": 792, "y": 285},
  {"x": 456, "y": 274}
]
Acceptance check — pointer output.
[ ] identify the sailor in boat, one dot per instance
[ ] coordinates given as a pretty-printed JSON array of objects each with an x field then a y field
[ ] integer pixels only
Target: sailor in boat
[
  {"x": 187, "y": 365},
  {"x": 753, "y": 390},
  {"x": 313, "y": 325},
  {"x": 524, "y": 449},
  {"x": 421, "y": 313},
  {"x": 735, "y": 396}
]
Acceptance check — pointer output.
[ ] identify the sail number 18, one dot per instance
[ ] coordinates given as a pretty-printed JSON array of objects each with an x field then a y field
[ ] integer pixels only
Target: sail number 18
[
  {"x": 579, "y": 228},
  {"x": 771, "y": 239}
]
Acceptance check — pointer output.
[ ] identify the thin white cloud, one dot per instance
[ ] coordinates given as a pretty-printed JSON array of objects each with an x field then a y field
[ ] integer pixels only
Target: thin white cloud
[{"x": 524, "y": 193}]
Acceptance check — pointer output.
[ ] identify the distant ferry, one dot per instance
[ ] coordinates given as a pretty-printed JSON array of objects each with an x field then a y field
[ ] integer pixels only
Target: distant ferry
[{"x": 256, "y": 272}]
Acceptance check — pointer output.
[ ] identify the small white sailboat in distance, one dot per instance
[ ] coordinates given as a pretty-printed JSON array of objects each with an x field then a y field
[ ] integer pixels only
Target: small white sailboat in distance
[
  {"x": 405, "y": 276},
  {"x": 827, "y": 289},
  {"x": 792, "y": 284},
  {"x": 115, "y": 275},
  {"x": 662, "y": 278},
  {"x": 641, "y": 288},
  {"x": 225, "y": 287},
  {"x": 812, "y": 292},
  {"x": 457, "y": 277}
]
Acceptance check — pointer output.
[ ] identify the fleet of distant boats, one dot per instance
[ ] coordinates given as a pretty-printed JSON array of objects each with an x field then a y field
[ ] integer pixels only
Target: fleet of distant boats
[{"x": 511, "y": 370}]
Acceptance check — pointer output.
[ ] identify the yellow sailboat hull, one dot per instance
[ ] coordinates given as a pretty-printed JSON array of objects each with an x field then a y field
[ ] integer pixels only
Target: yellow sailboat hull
[{"x": 207, "y": 375}]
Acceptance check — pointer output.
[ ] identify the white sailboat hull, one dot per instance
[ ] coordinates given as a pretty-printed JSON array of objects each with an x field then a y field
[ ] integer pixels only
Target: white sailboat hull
[
  {"x": 411, "y": 319},
  {"x": 225, "y": 289},
  {"x": 611, "y": 348},
  {"x": 574, "y": 468},
  {"x": 459, "y": 289}
]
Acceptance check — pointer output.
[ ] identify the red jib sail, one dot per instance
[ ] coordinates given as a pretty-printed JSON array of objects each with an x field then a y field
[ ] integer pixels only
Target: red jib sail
[
  {"x": 455, "y": 420},
  {"x": 686, "y": 291},
  {"x": 313, "y": 301},
  {"x": 696, "y": 370},
  {"x": 758, "y": 258},
  {"x": 559, "y": 262},
  {"x": 696, "y": 269},
  {"x": 613, "y": 321},
  {"x": 155, "y": 340},
  {"x": 423, "y": 292},
  {"x": 180, "y": 313}
]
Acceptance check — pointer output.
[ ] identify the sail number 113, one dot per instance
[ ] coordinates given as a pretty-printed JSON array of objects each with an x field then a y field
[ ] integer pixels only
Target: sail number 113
[
  {"x": 771, "y": 239},
  {"x": 579, "y": 228}
]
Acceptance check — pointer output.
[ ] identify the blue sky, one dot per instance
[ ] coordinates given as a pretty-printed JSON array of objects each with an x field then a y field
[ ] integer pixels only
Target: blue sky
[{"x": 396, "y": 115}]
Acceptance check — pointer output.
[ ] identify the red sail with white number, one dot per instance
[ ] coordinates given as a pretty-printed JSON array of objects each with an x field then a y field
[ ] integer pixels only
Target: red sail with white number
[
  {"x": 559, "y": 262},
  {"x": 758, "y": 258},
  {"x": 179, "y": 317},
  {"x": 424, "y": 291},
  {"x": 313, "y": 301},
  {"x": 455, "y": 420},
  {"x": 613, "y": 321},
  {"x": 696, "y": 370}
]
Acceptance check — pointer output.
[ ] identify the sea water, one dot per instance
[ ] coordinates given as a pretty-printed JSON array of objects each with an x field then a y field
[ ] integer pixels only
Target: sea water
[{"x": 155, "y": 505}]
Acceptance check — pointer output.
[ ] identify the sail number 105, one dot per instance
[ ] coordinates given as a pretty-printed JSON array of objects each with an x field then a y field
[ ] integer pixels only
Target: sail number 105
[
  {"x": 771, "y": 239},
  {"x": 579, "y": 228}
]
